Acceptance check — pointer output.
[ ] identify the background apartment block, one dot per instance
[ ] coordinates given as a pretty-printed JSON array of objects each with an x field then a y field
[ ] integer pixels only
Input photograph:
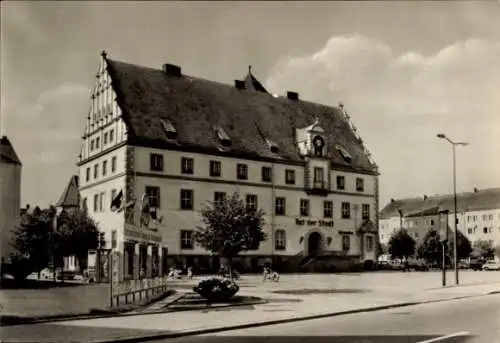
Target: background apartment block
[{"x": 478, "y": 215}]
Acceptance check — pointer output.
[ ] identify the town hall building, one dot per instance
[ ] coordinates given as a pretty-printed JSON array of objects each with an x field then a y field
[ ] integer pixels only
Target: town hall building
[{"x": 162, "y": 140}]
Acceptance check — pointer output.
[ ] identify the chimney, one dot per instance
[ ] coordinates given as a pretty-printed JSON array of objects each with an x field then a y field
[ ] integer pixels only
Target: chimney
[
  {"x": 392, "y": 200},
  {"x": 172, "y": 70},
  {"x": 425, "y": 197},
  {"x": 239, "y": 84},
  {"x": 292, "y": 95},
  {"x": 475, "y": 190}
]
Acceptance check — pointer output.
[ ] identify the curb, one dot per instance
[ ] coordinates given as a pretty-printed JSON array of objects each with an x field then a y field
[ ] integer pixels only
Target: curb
[
  {"x": 130, "y": 314},
  {"x": 202, "y": 331}
]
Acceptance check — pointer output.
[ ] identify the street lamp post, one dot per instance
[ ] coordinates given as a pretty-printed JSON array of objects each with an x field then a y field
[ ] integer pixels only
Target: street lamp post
[{"x": 455, "y": 243}]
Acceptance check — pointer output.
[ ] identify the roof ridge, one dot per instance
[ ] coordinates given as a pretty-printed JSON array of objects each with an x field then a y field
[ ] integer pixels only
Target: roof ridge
[
  {"x": 222, "y": 83},
  {"x": 194, "y": 104}
]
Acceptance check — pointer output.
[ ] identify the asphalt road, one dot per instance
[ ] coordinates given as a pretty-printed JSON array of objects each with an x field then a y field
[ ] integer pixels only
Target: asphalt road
[{"x": 478, "y": 317}]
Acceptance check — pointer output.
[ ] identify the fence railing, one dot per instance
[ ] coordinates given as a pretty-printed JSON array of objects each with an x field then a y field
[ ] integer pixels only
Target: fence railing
[{"x": 131, "y": 291}]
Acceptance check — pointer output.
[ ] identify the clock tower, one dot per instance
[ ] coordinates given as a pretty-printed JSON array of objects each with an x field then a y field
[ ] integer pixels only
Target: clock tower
[{"x": 312, "y": 145}]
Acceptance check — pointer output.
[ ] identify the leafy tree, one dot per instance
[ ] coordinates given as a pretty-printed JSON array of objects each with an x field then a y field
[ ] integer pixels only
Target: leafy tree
[
  {"x": 37, "y": 242},
  {"x": 31, "y": 240},
  {"x": 230, "y": 228},
  {"x": 401, "y": 244},
  {"x": 431, "y": 247},
  {"x": 484, "y": 248},
  {"x": 464, "y": 247},
  {"x": 76, "y": 234}
]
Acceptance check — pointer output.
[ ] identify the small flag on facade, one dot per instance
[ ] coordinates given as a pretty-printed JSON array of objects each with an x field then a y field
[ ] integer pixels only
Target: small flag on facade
[{"x": 117, "y": 202}]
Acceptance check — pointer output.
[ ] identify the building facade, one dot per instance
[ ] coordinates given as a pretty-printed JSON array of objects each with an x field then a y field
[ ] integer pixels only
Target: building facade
[
  {"x": 10, "y": 199},
  {"x": 176, "y": 143},
  {"x": 478, "y": 215}
]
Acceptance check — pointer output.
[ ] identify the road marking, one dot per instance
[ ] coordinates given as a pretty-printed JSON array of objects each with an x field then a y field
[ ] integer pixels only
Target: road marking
[{"x": 443, "y": 338}]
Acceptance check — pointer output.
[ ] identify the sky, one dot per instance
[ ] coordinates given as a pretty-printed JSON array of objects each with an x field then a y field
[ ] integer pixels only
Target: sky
[{"x": 404, "y": 71}]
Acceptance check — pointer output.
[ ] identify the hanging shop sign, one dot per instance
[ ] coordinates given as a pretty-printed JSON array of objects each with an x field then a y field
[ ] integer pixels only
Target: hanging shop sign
[{"x": 323, "y": 223}]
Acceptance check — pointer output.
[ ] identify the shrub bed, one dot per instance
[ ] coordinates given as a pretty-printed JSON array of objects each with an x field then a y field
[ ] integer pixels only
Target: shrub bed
[{"x": 216, "y": 290}]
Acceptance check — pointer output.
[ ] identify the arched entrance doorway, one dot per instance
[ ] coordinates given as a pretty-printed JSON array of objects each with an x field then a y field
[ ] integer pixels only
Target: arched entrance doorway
[{"x": 314, "y": 244}]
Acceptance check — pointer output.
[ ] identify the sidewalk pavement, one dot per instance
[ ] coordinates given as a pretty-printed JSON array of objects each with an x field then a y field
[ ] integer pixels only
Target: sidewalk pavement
[{"x": 280, "y": 308}]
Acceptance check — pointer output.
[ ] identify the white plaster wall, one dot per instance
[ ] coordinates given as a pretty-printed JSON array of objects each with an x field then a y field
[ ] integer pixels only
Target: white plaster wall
[
  {"x": 106, "y": 219},
  {"x": 176, "y": 219}
]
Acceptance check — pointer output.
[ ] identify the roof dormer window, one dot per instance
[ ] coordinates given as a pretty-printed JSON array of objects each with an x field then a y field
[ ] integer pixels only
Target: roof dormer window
[
  {"x": 170, "y": 130},
  {"x": 272, "y": 146},
  {"x": 345, "y": 154},
  {"x": 224, "y": 138}
]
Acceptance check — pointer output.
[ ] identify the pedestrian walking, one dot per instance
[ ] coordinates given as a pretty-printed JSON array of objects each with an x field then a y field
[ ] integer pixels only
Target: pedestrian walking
[
  {"x": 171, "y": 273},
  {"x": 275, "y": 276},
  {"x": 265, "y": 273},
  {"x": 190, "y": 273}
]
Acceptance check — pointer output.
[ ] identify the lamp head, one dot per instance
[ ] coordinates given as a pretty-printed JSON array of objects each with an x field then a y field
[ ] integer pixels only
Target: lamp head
[{"x": 441, "y": 135}]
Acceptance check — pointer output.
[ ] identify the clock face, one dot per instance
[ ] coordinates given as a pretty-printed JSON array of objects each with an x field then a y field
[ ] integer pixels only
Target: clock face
[{"x": 318, "y": 142}]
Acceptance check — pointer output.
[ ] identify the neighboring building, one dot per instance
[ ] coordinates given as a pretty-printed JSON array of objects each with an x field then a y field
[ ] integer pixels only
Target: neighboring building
[
  {"x": 180, "y": 141},
  {"x": 70, "y": 197},
  {"x": 10, "y": 199},
  {"x": 70, "y": 201},
  {"x": 478, "y": 215}
]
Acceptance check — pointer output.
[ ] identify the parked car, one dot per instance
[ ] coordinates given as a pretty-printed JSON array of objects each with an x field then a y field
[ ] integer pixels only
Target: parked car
[
  {"x": 396, "y": 264},
  {"x": 476, "y": 264},
  {"x": 418, "y": 264},
  {"x": 463, "y": 265},
  {"x": 383, "y": 265},
  {"x": 491, "y": 265}
]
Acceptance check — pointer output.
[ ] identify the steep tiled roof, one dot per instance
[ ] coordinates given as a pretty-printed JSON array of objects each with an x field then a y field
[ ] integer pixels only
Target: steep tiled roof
[
  {"x": 469, "y": 201},
  {"x": 7, "y": 152},
  {"x": 194, "y": 106},
  {"x": 71, "y": 196},
  {"x": 424, "y": 212}
]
